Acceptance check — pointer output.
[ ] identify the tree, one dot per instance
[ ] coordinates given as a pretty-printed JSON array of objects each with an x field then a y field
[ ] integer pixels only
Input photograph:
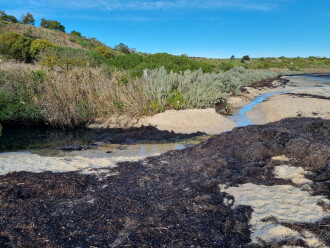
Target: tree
[
  {"x": 53, "y": 25},
  {"x": 232, "y": 57},
  {"x": 28, "y": 19},
  {"x": 75, "y": 33},
  {"x": 245, "y": 58},
  {"x": 122, "y": 47},
  {"x": 7, "y": 18}
]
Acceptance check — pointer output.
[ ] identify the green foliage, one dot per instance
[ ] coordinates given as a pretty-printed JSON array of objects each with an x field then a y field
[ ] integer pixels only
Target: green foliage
[
  {"x": 75, "y": 33},
  {"x": 232, "y": 57},
  {"x": 83, "y": 42},
  {"x": 67, "y": 58},
  {"x": 39, "y": 45},
  {"x": 0, "y": 130},
  {"x": 226, "y": 66},
  {"x": 188, "y": 90},
  {"x": 104, "y": 51},
  {"x": 7, "y": 18},
  {"x": 250, "y": 76},
  {"x": 28, "y": 19},
  {"x": 28, "y": 32},
  {"x": 15, "y": 46},
  {"x": 53, "y": 25},
  {"x": 16, "y": 104},
  {"x": 137, "y": 63},
  {"x": 127, "y": 62},
  {"x": 123, "y": 48},
  {"x": 38, "y": 76},
  {"x": 195, "y": 89},
  {"x": 175, "y": 100}
]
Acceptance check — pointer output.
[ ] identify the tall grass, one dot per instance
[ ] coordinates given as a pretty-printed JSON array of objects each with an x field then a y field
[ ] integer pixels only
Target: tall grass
[
  {"x": 67, "y": 98},
  {"x": 78, "y": 96}
]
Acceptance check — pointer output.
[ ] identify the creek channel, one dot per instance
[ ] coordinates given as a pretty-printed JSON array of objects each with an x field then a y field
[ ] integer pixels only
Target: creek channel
[{"x": 16, "y": 144}]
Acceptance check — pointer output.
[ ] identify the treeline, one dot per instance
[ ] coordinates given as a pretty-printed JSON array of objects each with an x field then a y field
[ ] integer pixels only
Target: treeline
[
  {"x": 136, "y": 63},
  {"x": 293, "y": 64}
]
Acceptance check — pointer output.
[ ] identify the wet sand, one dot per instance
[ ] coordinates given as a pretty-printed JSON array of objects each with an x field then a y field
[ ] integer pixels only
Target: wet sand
[{"x": 313, "y": 101}]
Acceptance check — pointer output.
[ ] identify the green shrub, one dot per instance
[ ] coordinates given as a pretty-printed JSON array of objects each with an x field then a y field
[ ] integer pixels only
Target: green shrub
[
  {"x": 39, "y": 45},
  {"x": 83, "y": 42},
  {"x": 188, "y": 90},
  {"x": 137, "y": 63},
  {"x": 16, "y": 99},
  {"x": 127, "y": 62},
  {"x": 195, "y": 89},
  {"x": 28, "y": 32},
  {"x": 75, "y": 33},
  {"x": 15, "y": 46},
  {"x": 104, "y": 51},
  {"x": 226, "y": 66}
]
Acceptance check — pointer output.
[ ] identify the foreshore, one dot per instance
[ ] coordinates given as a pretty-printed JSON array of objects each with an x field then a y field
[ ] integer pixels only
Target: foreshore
[{"x": 257, "y": 186}]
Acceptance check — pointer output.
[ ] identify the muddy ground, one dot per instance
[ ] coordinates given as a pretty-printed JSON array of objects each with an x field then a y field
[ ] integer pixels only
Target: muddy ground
[{"x": 167, "y": 201}]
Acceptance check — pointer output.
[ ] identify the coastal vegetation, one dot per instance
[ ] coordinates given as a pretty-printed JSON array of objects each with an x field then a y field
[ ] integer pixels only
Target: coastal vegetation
[{"x": 68, "y": 80}]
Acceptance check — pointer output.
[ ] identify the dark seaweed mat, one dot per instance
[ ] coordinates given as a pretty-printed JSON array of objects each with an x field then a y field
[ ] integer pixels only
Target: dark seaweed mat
[
  {"x": 166, "y": 201},
  {"x": 139, "y": 134}
]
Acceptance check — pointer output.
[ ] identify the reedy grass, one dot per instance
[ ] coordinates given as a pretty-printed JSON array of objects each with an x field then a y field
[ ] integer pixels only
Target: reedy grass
[{"x": 79, "y": 96}]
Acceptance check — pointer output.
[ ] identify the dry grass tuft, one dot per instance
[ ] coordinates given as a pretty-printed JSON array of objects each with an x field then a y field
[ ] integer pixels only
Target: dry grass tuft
[{"x": 79, "y": 96}]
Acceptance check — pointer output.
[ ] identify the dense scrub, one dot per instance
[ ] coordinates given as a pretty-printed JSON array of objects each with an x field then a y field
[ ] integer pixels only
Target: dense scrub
[
  {"x": 72, "y": 93},
  {"x": 284, "y": 63},
  {"x": 196, "y": 89},
  {"x": 137, "y": 63}
]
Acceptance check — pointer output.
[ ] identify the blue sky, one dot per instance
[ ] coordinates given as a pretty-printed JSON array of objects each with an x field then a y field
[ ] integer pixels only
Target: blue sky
[{"x": 209, "y": 28}]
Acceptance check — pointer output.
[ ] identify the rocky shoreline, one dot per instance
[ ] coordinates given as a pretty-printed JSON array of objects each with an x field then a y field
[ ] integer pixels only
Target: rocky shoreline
[{"x": 174, "y": 200}]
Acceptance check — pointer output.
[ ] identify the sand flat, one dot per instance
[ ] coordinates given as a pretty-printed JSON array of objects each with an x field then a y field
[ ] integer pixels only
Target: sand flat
[
  {"x": 282, "y": 106},
  {"x": 190, "y": 121}
]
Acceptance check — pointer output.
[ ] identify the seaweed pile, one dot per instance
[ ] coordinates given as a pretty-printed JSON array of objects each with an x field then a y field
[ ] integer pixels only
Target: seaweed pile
[
  {"x": 138, "y": 135},
  {"x": 267, "y": 83},
  {"x": 172, "y": 200}
]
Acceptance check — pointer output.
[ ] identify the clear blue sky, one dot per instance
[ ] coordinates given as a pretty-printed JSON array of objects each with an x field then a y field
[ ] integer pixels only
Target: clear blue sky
[{"x": 209, "y": 28}]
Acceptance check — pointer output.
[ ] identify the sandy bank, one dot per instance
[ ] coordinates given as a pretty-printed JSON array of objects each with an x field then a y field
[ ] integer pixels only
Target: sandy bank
[
  {"x": 190, "y": 121},
  {"x": 312, "y": 102},
  {"x": 179, "y": 121}
]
